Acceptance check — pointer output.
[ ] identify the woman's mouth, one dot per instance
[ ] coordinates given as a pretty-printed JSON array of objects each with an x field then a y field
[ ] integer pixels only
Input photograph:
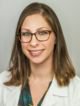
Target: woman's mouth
[{"x": 35, "y": 53}]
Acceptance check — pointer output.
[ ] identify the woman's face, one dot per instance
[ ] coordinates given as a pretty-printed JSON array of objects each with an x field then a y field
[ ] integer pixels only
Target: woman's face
[{"x": 37, "y": 51}]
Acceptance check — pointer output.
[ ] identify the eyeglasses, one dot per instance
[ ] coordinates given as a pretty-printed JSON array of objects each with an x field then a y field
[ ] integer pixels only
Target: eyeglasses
[{"x": 42, "y": 35}]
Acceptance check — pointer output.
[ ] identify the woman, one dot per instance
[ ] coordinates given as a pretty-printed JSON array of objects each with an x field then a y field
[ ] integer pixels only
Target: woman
[{"x": 40, "y": 71}]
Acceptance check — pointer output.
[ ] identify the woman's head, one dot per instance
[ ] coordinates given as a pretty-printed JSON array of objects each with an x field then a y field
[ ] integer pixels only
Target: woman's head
[
  {"x": 47, "y": 13},
  {"x": 63, "y": 68},
  {"x": 49, "y": 16}
]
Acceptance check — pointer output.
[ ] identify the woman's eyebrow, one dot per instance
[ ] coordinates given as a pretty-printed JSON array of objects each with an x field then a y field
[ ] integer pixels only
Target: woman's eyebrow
[{"x": 27, "y": 29}]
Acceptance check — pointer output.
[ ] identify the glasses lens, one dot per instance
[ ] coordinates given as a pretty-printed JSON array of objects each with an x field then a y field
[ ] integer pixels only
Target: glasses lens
[
  {"x": 25, "y": 36},
  {"x": 42, "y": 35}
]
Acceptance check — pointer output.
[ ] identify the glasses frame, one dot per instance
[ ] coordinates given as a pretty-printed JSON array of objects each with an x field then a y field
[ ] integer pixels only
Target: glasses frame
[{"x": 35, "y": 34}]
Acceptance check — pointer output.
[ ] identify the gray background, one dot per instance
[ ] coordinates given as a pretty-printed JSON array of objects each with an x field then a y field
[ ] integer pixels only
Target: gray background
[{"x": 68, "y": 12}]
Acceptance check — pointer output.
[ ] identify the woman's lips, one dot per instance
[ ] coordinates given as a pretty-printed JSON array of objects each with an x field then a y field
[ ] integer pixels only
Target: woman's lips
[{"x": 35, "y": 53}]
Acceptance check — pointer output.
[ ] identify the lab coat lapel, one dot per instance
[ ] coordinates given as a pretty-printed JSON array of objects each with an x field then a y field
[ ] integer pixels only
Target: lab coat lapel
[{"x": 54, "y": 93}]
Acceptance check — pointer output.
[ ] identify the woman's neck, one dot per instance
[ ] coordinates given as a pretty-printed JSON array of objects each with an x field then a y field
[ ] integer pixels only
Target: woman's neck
[{"x": 43, "y": 71}]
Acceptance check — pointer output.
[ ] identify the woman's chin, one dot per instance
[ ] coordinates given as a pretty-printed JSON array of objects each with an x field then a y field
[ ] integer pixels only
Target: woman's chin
[{"x": 37, "y": 61}]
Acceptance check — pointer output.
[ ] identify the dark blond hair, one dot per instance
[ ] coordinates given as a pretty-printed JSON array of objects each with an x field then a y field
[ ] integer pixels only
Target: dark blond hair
[{"x": 19, "y": 64}]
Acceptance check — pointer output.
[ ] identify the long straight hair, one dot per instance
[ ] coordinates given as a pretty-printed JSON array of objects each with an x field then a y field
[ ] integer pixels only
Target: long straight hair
[{"x": 19, "y": 64}]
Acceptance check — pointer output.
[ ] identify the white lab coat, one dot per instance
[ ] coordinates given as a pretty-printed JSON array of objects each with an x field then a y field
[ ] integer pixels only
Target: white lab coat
[{"x": 56, "y": 96}]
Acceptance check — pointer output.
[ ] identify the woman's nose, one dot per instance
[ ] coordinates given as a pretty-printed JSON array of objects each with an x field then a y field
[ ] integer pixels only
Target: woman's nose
[{"x": 34, "y": 42}]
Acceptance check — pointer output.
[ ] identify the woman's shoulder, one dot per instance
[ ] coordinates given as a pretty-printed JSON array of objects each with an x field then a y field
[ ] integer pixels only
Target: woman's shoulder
[
  {"x": 4, "y": 76},
  {"x": 74, "y": 89},
  {"x": 6, "y": 92},
  {"x": 75, "y": 81}
]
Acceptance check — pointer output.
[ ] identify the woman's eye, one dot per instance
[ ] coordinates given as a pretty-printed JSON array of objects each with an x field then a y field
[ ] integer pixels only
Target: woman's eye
[
  {"x": 26, "y": 34},
  {"x": 43, "y": 32}
]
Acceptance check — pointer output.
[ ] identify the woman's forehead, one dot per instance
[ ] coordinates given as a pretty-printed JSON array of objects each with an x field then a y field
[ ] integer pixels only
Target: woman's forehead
[{"x": 35, "y": 21}]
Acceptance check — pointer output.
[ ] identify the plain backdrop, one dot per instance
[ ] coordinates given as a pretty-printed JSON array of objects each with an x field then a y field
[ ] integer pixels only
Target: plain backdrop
[{"x": 68, "y": 12}]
